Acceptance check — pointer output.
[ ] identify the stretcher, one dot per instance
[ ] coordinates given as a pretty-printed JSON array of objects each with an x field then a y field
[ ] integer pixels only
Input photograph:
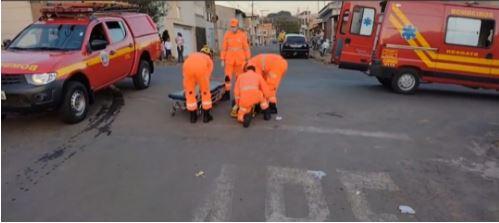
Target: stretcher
[{"x": 177, "y": 98}]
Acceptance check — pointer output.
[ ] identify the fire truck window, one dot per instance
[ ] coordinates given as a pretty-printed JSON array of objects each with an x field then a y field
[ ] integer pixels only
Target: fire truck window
[
  {"x": 344, "y": 22},
  {"x": 470, "y": 32},
  {"x": 98, "y": 33},
  {"x": 362, "y": 21},
  {"x": 116, "y": 31}
]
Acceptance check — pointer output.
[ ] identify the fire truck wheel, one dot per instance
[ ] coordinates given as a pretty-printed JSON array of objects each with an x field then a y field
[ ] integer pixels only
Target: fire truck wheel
[
  {"x": 406, "y": 81},
  {"x": 74, "y": 106},
  {"x": 143, "y": 77},
  {"x": 386, "y": 82}
]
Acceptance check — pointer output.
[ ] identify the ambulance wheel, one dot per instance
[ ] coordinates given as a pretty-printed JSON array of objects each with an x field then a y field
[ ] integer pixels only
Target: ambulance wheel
[
  {"x": 143, "y": 77},
  {"x": 406, "y": 81},
  {"x": 74, "y": 106},
  {"x": 386, "y": 82}
]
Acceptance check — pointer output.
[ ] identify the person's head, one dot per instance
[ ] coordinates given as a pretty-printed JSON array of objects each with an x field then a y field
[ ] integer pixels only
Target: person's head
[
  {"x": 234, "y": 23},
  {"x": 206, "y": 50},
  {"x": 179, "y": 34},
  {"x": 249, "y": 66}
]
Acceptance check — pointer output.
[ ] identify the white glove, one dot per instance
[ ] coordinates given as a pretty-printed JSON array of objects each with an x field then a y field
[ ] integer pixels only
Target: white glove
[{"x": 222, "y": 63}]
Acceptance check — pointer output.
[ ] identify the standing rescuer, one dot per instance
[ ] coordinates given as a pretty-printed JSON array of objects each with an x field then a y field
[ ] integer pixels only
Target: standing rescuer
[
  {"x": 250, "y": 90},
  {"x": 272, "y": 67},
  {"x": 197, "y": 70},
  {"x": 234, "y": 54}
]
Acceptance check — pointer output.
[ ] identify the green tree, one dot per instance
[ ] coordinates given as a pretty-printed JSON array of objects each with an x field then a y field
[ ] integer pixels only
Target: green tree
[
  {"x": 153, "y": 8},
  {"x": 283, "y": 20}
]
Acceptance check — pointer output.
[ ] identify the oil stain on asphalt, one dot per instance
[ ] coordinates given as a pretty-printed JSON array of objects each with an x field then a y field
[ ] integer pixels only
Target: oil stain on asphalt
[{"x": 98, "y": 124}]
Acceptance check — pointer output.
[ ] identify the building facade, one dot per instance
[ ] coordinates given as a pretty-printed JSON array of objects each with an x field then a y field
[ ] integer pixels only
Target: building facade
[
  {"x": 329, "y": 18},
  {"x": 266, "y": 33}
]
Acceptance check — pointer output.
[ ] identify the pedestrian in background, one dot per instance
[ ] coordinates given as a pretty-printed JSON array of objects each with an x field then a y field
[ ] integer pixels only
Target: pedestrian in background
[
  {"x": 167, "y": 45},
  {"x": 180, "y": 47}
]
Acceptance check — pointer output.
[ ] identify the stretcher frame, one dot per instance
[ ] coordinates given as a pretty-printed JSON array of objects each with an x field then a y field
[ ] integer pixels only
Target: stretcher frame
[{"x": 177, "y": 99}]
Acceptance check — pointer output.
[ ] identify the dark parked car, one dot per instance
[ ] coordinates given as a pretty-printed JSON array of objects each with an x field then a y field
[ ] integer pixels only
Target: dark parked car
[{"x": 295, "y": 45}]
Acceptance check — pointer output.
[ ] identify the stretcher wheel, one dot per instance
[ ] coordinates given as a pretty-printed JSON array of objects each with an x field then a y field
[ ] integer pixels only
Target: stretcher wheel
[{"x": 172, "y": 111}]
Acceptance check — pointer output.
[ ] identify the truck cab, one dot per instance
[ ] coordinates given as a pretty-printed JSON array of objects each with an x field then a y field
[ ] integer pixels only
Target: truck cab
[{"x": 73, "y": 51}]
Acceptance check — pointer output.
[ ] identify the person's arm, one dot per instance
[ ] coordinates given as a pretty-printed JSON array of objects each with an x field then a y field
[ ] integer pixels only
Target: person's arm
[
  {"x": 246, "y": 48},
  {"x": 264, "y": 87}
]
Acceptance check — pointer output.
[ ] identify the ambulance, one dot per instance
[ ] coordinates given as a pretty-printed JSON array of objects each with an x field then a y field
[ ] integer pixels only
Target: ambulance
[{"x": 405, "y": 43}]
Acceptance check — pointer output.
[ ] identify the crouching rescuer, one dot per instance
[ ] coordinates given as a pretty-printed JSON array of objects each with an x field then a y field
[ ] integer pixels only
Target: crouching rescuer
[
  {"x": 197, "y": 70},
  {"x": 251, "y": 90},
  {"x": 272, "y": 67}
]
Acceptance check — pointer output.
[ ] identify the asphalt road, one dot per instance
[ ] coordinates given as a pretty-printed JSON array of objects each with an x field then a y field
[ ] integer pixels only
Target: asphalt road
[{"x": 345, "y": 149}]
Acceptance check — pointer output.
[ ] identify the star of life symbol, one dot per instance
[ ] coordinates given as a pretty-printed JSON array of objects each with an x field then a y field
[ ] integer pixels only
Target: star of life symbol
[{"x": 409, "y": 32}]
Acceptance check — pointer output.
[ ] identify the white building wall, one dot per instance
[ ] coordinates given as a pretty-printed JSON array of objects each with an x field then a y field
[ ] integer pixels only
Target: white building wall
[{"x": 16, "y": 15}]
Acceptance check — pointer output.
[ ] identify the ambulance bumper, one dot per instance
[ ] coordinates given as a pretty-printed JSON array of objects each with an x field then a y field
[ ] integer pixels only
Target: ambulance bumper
[
  {"x": 378, "y": 70},
  {"x": 24, "y": 97}
]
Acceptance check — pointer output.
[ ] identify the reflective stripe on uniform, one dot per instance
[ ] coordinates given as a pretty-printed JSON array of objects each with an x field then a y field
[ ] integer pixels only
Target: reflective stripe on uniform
[
  {"x": 272, "y": 99},
  {"x": 247, "y": 88},
  {"x": 234, "y": 48},
  {"x": 206, "y": 102},
  {"x": 272, "y": 75},
  {"x": 192, "y": 105},
  {"x": 243, "y": 109}
]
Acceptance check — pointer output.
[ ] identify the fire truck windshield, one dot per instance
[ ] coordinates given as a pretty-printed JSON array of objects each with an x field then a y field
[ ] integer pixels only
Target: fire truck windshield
[{"x": 50, "y": 37}]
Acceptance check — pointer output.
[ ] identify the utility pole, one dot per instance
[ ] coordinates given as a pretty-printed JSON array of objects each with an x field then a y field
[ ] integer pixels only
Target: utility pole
[{"x": 211, "y": 8}]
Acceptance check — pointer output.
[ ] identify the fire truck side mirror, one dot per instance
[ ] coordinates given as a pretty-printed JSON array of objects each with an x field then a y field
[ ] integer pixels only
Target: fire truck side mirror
[
  {"x": 6, "y": 43},
  {"x": 97, "y": 44}
]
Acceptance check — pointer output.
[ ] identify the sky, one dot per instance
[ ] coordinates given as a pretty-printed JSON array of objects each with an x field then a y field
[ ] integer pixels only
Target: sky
[{"x": 265, "y": 7}]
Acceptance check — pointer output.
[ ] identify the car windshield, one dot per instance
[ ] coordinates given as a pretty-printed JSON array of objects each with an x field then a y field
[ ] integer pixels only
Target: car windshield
[
  {"x": 50, "y": 37},
  {"x": 295, "y": 40}
]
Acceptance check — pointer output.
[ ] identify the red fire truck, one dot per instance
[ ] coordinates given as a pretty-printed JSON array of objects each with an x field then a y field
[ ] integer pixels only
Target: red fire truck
[
  {"x": 403, "y": 43},
  {"x": 73, "y": 51}
]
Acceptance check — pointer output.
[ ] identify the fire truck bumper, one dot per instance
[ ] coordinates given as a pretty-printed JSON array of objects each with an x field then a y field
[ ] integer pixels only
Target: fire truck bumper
[{"x": 23, "y": 97}]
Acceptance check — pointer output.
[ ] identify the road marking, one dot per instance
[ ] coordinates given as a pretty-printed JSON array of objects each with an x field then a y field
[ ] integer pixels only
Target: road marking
[
  {"x": 217, "y": 206},
  {"x": 329, "y": 131},
  {"x": 275, "y": 205},
  {"x": 354, "y": 182},
  {"x": 487, "y": 169}
]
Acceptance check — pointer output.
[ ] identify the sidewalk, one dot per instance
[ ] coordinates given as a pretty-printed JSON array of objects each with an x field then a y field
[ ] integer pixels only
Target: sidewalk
[{"x": 326, "y": 59}]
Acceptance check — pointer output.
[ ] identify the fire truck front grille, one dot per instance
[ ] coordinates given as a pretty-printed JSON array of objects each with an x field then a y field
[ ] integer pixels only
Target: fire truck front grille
[{"x": 12, "y": 79}]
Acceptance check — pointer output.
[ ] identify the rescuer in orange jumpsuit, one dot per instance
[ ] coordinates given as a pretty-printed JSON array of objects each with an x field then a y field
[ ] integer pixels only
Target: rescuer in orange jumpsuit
[
  {"x": 197, "y": 69},
  {"x": 272, "y": 67},
  {"x": 234, "y": 54},
  {"x": 251, "y": 89}
]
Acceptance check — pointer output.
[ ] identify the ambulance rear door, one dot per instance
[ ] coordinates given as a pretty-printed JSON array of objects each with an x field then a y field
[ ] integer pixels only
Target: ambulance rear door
[{"x": 359, "y": 35}]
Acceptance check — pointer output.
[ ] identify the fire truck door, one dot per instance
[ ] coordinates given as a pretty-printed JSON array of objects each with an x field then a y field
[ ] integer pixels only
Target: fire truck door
[
  {"x": 98, "y": 68},
  {"x": 121, "y": 48},
  {"x": 359, "y": 38}
]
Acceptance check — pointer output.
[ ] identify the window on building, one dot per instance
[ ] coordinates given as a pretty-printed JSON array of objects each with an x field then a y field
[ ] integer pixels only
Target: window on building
[
  {"x": 344, "y": 22},
  {"x": 116, "y": 31},
  {"x": 362, "y": 21},
  {"x": 470, "y": 32}
]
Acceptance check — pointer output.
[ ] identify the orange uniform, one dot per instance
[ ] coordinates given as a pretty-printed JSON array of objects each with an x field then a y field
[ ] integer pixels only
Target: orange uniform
[
  {"x": 272, "y": 67},
  {"x": 250, "y": 89},
  {"x": 197, "y": 70},
  {"x": 235, "y": 51}
]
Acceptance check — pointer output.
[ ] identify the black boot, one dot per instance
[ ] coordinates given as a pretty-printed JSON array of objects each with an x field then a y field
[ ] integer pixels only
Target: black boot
[
  {"x": 226, "y": 96},
  {"x": 273, "y": 108},
  {"x": 247, "y": 120},
  {"x": 194, "y": 116},
  {"x": 266, "y": 114},
  {"x": 207, "y": 116}
]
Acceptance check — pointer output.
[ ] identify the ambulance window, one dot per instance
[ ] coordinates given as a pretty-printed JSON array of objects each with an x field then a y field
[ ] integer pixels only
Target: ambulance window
[
  {"x": 344, "y": 22},
  {"x": 362, "y": 21},
  {"x": 470, "y": 32},
  {"x": 116, "y": 31}
]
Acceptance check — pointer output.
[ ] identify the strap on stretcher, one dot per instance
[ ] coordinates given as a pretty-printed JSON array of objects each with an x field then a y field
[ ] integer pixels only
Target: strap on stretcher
[{"x": 214, "y": 86}]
